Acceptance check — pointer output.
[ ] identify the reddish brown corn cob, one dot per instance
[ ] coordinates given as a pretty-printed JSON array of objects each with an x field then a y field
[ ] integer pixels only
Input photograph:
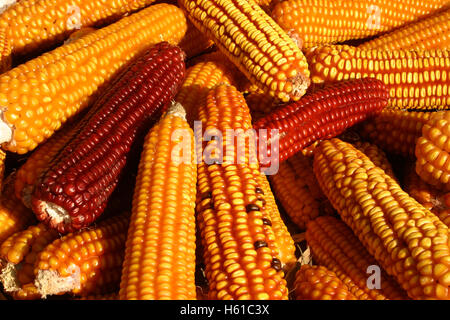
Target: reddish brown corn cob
[
  {"x": 28, "y": 174},
  {"x": 283, "y": 238},
  {"x": 18, "y": 255},
  {"x": 319, "y": 283},
  {"x": 5, "y": 51},
  {"x": 319, "y": 22},
  {"x": 324, "y": 113},
  {"x": 160, "y": 249},
  {"x": 334, "y": 246},
  {"x": 415, "y": 79},
  {"x": 74, "y": 189},
  {"x": 296, "y": 187},
  {"x": 14, "y": 216},
  {"x": 432, "y": 151},
  {"x": 435, "y": 200},
  {"x": 376, "y": 155},
  {"x": 431, "y": 32},
  {"x": 109, "y": 296},
  {"x": 84, "y": 263},
  {"x": 200, "y": 78},
  {"x": 407, "y": 240},
  {"x": 35, "y": 25},
  {"x": 241, "y": 255},
  {"x": 41, "y": 94},
  {"x": 194, "y": 42},
  {"x": 395, "y": 131},
  {"x": 254, "y": 43}
]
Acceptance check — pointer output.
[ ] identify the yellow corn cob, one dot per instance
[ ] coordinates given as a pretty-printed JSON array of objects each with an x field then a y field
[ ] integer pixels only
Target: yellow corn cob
[
  {"x": 194, "y": 42},
  {"x": 83, "y": 263},
  {"x": 319, "y": 22},
  {"x": 40, "y": 95},
  {"x": 14, "y": 216},
  {"x": 160, "y": 248},
  {"x": 282, "y": 236},
  {"x": 34, "y": 25},
  {"x": 200, "y": 78},
  {"x": 29, "y": 172},
  {"x": 432, "y": 32},
  {"x": 433, "y": 151},
  {"x": 334, "y": 246},
  {"x": 377, "y": 156},
  {"x": 435, "y": 200},
  {"x": 395, "y": 131},
  {"x": 407, "y": 240},
  {"x": 319, "y": 283},
  {"x": 299, "y": 193},
  {"x": 254, "y": 43},
  {"x": 5, "y": 51},
  {"x": 415, "y": 79},
  {"x": 18, "y": 254},
  {"x": 241, "y": 255}
]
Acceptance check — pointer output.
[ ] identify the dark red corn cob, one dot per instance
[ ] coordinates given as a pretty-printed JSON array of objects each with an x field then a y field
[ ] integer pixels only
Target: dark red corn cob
[
  {"x": 73, "y": 191},
  {"x": 323, "y": 114}
]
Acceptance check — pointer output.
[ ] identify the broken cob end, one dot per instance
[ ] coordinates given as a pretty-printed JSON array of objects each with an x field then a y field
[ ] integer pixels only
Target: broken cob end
[
  {"x": 50, "y": 282},
  {"x": 8, "y": 277},
  {"x": 6, "y": 132},
  {"x": 52, "y": 214}
]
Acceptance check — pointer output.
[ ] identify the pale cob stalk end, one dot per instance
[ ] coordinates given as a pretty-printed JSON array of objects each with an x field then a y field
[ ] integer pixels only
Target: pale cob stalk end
[
  {"x": 50, "y": 282},
  {"x": 8, "y": 277},
  {"x": 5, "y": 4},
  {"x": 6, "y": 131},
  {"x": 55, "y": 213},
  {"x": 177, "y": 110}
]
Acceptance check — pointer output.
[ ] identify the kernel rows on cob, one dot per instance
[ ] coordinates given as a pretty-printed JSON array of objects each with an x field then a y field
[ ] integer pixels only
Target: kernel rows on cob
[{"x": 243, "y": 232}]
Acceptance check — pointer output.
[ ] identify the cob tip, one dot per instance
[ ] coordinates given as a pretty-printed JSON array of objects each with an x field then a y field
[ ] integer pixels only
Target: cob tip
[
  {"x": 5, "y": 130},
  {"x": 55, "y": 214},
  {"x": 50, "y": 282},
  {"x": 5, "y": 4},
  {"x": 176, "y": 109}
]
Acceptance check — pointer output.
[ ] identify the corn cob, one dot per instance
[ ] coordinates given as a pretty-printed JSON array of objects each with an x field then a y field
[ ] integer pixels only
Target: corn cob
[
  {"x": 109, "y": 296},
  {"x": 35, "y": 25},
  {"x": 435, "y": 200},
  {"x": 260, "y": 104},
  {"x": 283, "y": 238},
  {"x": 323, "y": 114},
  {"x": 254, "y": 43},
  {"x": 78, "y": 34},
  {"x": 38, "y": 162},
  {"x": 83, "y": 263},
  {"x": 319, "y": 283},
  {"x": 73, "y": 190},
  {"x": 377, "y": 156},
  {"x": 18, "y": 255},
  {"x": 407, "y": 240},
  {"x": 334, "y": 246},
  {"x": 35, "y": 96},
  {"x": 296, "y": 187},
  {"x": 395, "y": 131},
  {"x": 14, "y": 216},
  {"x": 5, "y": 52},
  {"x": 431, "y": 32},
  {"x": 415, "y": 79},
  {"x": 200, "y": 78},
  {"x": 194, "y": 42},
  {"x": 241, "y": 255},
  {"x": 319, "y": 22},
  {"x": 432, "y": 151},
  {"x": 160, "y": 249}
]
